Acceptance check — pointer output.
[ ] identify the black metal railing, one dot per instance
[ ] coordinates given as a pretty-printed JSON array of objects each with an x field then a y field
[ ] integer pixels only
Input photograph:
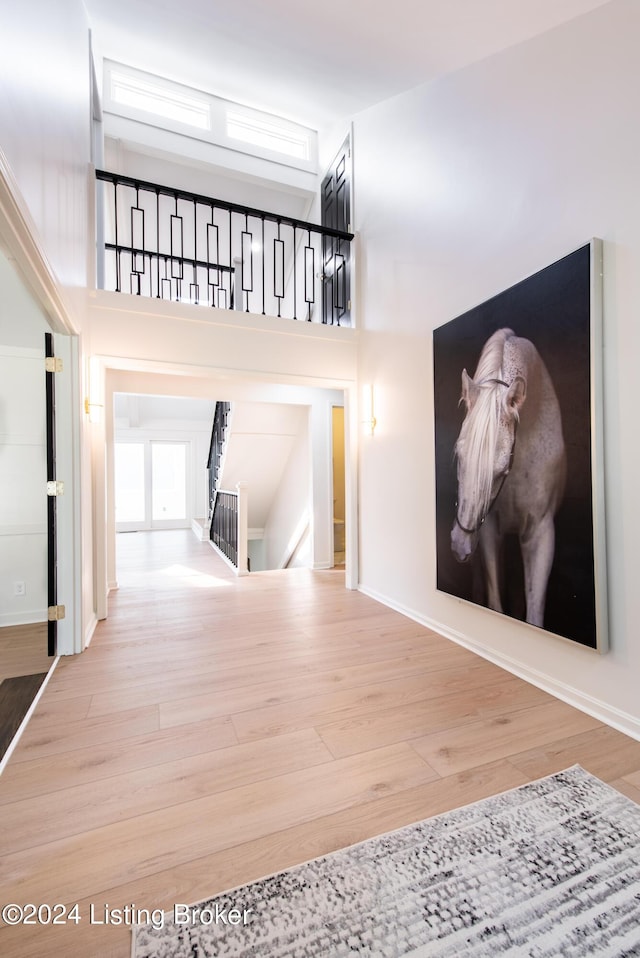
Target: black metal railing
[
  {"x": 223, "y": 506},
  {"x": 224, "y": 524},
  {"x": 216, "y": 448},
  {"x": 181, "y": 246}
]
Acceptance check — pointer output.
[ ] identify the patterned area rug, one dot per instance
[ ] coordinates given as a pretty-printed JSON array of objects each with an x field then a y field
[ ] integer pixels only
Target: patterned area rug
[{"x": 551, "y": 868}]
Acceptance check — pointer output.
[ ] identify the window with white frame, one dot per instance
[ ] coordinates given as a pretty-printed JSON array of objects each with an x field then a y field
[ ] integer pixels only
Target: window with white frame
[
  {"x": 159, "y": 102},
  {"x": 157, "y": 98}
]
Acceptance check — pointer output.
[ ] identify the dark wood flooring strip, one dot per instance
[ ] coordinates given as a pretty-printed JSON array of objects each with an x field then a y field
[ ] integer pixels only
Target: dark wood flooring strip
[{"x": 16, "y": 696}]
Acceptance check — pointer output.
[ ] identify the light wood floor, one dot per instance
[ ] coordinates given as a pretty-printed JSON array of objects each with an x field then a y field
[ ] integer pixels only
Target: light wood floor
[
  {"x": 23, "y": 650},
  {"x": 218, "y": 730},
  {"x": 23, "y": 656}
]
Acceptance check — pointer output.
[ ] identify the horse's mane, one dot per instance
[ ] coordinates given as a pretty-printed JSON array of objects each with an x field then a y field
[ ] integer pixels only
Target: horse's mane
[
  {"x": 479, "y": 432},
  {"x": 490, "y": 362}
]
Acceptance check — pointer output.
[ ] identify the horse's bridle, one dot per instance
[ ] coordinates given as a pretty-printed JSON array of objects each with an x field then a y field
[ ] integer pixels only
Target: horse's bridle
[{"x": 470, "y": 532}]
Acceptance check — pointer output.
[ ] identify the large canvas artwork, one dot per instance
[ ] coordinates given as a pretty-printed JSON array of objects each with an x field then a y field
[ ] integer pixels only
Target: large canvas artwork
[{"x": 519, "y": 479}]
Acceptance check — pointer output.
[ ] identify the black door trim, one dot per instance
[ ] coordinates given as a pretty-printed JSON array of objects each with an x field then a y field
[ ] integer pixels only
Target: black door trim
[{"x": 52, "y": 551}]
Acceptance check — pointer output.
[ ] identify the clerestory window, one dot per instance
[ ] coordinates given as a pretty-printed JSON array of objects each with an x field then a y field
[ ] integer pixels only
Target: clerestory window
[{"x": 159, "y": 102}]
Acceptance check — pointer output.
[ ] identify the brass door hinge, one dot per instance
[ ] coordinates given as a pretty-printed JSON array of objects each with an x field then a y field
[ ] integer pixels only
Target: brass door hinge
[
  {"x": 53, "y": 364},
  {"x": 55, "y": 488},
  {"x": 55, "y": 613}
]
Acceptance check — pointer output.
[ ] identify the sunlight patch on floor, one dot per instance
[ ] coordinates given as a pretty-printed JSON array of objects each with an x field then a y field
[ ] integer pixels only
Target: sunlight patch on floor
[{"x": 198, "y": 580}]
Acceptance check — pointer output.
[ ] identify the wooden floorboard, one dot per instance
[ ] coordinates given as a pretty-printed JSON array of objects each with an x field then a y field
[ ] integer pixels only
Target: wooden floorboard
[
  {"x": 16, "y": 696},
  {"x": 219, "y": 729},
  {"x": 23, "y": 650},
  {"x": 24, "y": 664}
]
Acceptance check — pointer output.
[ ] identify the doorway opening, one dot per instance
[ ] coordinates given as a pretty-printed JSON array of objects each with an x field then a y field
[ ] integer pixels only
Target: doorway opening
[
  {"x": 25, "y": 534},
  {"x": 279, "y": 447},
  {"x": 339, "y": 497}
]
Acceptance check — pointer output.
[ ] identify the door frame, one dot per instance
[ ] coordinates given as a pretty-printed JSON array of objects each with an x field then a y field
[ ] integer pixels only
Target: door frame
[
  {"x": 71, "y": 637},
  {"x": 21, "y": 243}
]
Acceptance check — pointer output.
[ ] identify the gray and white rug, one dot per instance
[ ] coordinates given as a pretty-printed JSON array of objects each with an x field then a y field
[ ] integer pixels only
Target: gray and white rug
[{"x": 551, "y": 868}]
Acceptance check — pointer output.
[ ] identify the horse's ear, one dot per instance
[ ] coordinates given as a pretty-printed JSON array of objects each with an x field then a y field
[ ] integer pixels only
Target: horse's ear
[
  {"x": 469, "y": 390},
  {"x": 517, "y": 394}
]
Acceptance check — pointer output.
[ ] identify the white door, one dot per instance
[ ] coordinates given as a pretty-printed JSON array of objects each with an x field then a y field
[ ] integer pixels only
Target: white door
[
  {"x": 151, "y": 485},
  {"x": 169, "y": 485}
]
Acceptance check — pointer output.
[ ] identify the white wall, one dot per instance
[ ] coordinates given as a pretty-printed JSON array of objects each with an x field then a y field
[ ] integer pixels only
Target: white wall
[
  {"x": 148, "y": 332},
  {"x": 299, "y": 528},
  {"x": 464, "y": 187},
  {"x": 258, "y": 447},
  {"x": 183, "y": 172},
  {"x": 44, "y": 221},
  {"x": 257, "y": 554},
  {"x": 44, "y": 118},
  {"x": 290, "y": 515}
]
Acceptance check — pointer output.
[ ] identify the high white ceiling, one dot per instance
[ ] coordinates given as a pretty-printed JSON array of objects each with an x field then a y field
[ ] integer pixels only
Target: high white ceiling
[{"x": 315, "y": 62}]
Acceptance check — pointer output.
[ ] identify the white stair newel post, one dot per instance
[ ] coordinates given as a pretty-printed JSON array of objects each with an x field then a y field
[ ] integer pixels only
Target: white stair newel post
[{"x": 243, "y": 527}]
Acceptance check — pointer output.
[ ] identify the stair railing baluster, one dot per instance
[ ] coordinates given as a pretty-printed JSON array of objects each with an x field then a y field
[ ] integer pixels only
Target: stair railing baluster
[{"x": 285, "y": 289}]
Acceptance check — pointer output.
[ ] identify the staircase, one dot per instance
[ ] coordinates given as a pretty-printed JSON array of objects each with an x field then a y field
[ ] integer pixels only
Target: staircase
[
  {"x": 263, "y": 448},
  {"x": 227, "y": 514},
  {"x": 216, "y": 450}
]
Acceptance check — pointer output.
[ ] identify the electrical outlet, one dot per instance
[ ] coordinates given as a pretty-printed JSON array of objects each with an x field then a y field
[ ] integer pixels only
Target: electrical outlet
[{"x": 19, "y": 588}]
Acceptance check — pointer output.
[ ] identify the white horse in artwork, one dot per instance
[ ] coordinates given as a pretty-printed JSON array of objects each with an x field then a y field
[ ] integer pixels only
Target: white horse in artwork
[{"x": 505, "y": 486}]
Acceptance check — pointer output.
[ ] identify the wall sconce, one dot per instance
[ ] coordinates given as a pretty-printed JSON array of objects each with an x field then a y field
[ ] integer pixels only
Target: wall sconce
[
  {"x": 92, "y": 410},
  {"x": 369, "y": 420}
]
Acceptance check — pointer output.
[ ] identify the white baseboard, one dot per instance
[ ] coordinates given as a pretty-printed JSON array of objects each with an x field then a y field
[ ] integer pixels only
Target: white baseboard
[
  {"x": 603, "y": 711},
  {"x": 200, "y": 528},
  {"x": 90, "y": 629},
  {"x": 34, "y": 617}
]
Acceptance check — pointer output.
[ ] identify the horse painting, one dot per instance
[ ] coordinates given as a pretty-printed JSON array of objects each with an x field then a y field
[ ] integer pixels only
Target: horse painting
[{"x": 511, "y": 466}]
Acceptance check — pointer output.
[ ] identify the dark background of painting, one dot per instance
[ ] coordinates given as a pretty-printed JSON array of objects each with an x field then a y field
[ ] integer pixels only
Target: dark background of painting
[{"x": 552, "y": 309}]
